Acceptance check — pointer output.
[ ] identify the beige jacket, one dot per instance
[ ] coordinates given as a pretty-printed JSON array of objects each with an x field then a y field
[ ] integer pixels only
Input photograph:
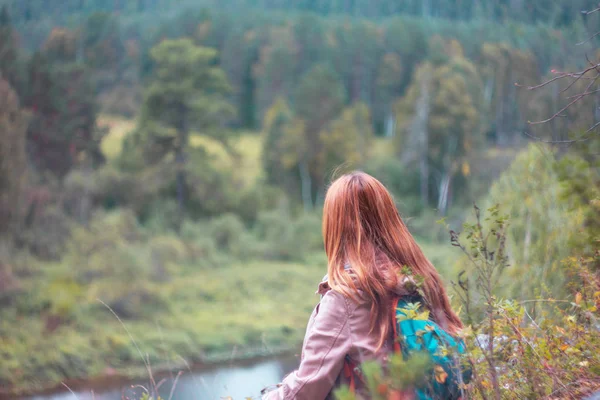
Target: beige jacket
[{"x": 338, "y": 328}]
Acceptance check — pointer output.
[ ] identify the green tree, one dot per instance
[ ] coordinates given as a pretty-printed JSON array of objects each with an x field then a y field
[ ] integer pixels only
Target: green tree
[
  {"x": 8, "y": 49},
  {"x": 60, "y": 94},
  {"x": 275, "y": 69},
  {"x": 102, "y": 45},
  {"x": 387, "y": 89},
  {"x": 347, "y": 141},
  {"x": 440, "y": 124},
  {"x": 508, "y": 106},
  {"x": 187, "y": 93},
  {"x": 13, "y": 129},
  {"x": 319, "y": 98},
  {"x": 543, "y": 226},
  {"x": 278, "y": 119}
]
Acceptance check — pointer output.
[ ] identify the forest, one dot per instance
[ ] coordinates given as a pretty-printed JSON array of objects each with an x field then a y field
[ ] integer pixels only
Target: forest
[{"x": 163, "y": 160}]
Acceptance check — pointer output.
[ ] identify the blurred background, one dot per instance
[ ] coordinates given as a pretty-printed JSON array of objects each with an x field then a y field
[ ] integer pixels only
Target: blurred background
[{"x": 165, "y": 161}]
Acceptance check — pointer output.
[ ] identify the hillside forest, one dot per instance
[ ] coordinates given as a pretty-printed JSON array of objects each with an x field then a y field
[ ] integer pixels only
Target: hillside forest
[{"x": 166, "y": 162}]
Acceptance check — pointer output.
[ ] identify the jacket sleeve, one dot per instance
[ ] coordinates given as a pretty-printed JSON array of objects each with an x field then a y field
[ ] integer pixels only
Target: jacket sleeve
[{"x": 325, "y": 348}]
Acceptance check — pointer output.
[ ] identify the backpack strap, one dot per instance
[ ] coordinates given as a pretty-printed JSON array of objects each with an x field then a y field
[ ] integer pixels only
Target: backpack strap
[{"x": 349, "y": 367}]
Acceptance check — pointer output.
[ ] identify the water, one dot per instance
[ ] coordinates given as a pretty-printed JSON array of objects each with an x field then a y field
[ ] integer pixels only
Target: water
[{"x": 239, "y": 382}]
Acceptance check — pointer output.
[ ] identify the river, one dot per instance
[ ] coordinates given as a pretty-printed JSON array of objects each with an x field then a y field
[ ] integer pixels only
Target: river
[{"x": 239, "y": 382}]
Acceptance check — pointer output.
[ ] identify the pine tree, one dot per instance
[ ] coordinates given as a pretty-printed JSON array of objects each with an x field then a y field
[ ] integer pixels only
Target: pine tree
[
  {"x": 187, "y": 92},
  {"x": 13, "y": 129}
]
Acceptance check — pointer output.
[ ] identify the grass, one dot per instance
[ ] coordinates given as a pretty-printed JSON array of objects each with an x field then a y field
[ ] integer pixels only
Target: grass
[
  {"x": 247, "y": 146},
  {"x": 118, "y": 128},
  {"x": 256, "y": 307},
  {"x": 247, "y": 160}
]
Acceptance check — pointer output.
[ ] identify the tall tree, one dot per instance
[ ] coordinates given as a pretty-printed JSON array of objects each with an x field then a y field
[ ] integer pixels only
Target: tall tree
[
  {"x": 275, "y": 69},
  {"x": 348, "y": 139},
  {"x": 63, "y": 131},
  {"x": 13, "y": 130},
  {"x": 319, "y": 98},
  {"x": 187, "y": 92},
  {"x": 440, "y": 125},
  {"x": 8, "y": 49},
  {"x": 278, "y": 119},
  {"x": 503, "y": 66}
]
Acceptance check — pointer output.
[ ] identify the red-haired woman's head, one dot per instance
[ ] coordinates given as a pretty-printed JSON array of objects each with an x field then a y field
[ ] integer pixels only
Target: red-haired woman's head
[{"x": 362, "y": 228}]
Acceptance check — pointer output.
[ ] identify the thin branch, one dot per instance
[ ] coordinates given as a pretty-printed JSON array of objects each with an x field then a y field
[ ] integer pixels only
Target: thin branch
[
  {"x": 562, "y": 75},
  {"x": 579, "y": 97},
  {"x": 590, "y": 12},
  {"x": 584, "y": 94},
  {"x": 584, "y": 137},
  {"x": 588, "y": 39},
  {"x": 544, "y": 301}
]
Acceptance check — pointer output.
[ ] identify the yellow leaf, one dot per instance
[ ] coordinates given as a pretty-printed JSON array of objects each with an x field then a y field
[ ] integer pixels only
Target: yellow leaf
[
  {"x": 578, "y": 297},
  {"x": 466, "y": 168},
  {"x": 440, "y": 374}
]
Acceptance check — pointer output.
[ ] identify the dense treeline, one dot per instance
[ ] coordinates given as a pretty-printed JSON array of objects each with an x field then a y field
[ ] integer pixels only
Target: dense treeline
[
  {"x": 559, "y": 13},
  {"x": 379, "y": 73},
  {"x": 321, "y": 89}
]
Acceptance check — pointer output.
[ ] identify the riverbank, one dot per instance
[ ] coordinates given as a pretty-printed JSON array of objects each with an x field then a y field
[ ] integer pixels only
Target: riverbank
[
  {"x": 205, "y": 316},
  {"x": 113, "y": 380}
]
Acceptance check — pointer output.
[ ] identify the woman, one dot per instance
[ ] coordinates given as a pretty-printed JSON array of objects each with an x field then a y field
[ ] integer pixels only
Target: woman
[{"x": 367, "y": 245}]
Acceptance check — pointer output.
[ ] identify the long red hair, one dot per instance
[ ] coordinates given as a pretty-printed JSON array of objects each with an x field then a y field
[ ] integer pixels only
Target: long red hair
[{"x": 363, "y": 229}]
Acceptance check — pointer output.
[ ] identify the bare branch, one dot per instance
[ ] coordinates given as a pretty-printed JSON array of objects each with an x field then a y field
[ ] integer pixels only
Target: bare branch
[
  {"x": 591, "y": 11},
  {"x": 575, "y": 100},
  {"x": 588, "y": 39}
]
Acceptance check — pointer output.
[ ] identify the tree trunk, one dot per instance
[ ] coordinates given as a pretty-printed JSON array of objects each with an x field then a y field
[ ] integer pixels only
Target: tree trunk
[
  {"x": 444, "y": 189},
  {"x": 306, "y": 186},
  {"x": 390, "y": 125},
  {"x": 527, "y": 243},
  {"x": 420, "y": 128},
  {"x": 180, "y": 166},
  {"x": 426, "y": 8},
  {"x": 446, "y": 180}
]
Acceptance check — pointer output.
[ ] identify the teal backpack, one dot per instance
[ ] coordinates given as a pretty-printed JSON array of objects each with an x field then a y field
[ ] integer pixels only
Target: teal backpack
[{"x": 415, "y": 332}]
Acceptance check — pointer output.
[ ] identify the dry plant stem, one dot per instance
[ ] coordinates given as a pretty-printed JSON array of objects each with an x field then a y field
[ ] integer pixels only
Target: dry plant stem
[
  {"x": 477, "y": 380},
  {"x": 70, "y": 390},
  {"x": 534, "y": 382},
  {"x": 146, "y": 363},
  {"x": 175, "y": 384},
  {"x": 484, "y": 270},
  {"x": 488, "y": 286}
]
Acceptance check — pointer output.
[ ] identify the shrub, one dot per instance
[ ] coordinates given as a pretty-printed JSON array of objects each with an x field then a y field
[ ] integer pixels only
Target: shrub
[
  {"x": 226, "y": 231},
  {"x": 48, "y": 232},
  {"x": 542, "y": 226},
  {"x": 542, "y": 348}
]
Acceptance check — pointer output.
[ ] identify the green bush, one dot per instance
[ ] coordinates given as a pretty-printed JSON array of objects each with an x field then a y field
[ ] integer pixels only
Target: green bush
[
  {"x": 543, "y": 348},
  {"x": 48, "y": 233}
]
